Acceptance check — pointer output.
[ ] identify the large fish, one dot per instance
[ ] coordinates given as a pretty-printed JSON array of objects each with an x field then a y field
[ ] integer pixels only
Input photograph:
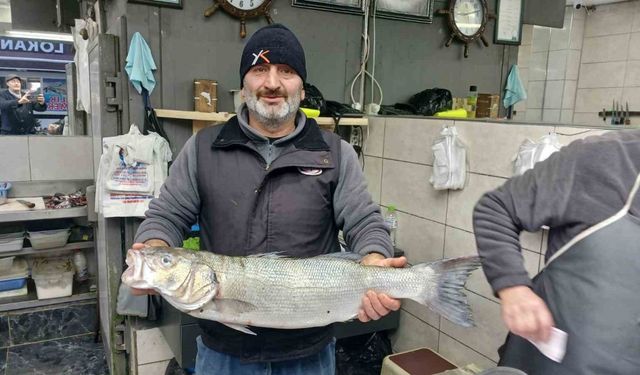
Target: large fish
[{"x": 280, "y": 292}]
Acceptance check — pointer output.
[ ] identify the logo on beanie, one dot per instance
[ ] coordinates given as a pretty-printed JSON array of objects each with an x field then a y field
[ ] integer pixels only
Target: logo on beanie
[{"x": 262, "y": 54}]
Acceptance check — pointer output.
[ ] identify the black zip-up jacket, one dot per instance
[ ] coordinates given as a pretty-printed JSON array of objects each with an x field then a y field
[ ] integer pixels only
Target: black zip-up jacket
[
  {"x": 292, "y": 196},
  {"x": 18, "y": 118}
]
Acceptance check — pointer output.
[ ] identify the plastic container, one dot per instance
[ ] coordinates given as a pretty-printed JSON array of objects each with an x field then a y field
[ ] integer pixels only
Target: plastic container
[
  {"x": 4, "y": 192},
  {"x": 47, "y": 239},
  {"x": 5, "y": 264},
  {"x": 472, "y": 101},
  {"x": 16, "y": 276},
  {"x": 11, "y": 243},
  {"x": 15, "y": 292},
  {"x": 80, "y": 263},
  {"x": 53, "y": 277},
  {"x": 391, "y": 220}
]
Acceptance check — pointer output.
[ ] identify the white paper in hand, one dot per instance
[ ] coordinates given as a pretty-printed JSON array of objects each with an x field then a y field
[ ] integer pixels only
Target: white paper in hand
[{"x": 556, "y": 347}]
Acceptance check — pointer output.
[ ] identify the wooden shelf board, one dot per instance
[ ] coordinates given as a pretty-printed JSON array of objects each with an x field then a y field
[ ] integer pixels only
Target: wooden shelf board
[{"x": 204, "y": 119}]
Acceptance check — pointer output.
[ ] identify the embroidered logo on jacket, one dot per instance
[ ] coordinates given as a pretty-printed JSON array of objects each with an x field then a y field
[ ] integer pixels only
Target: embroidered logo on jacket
[{"x": 310, "y": 171}]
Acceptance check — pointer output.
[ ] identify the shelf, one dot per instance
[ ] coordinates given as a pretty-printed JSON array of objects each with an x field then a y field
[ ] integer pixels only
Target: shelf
[
  {"x": 194, "y": 115},
  {"x": 59, "y": 213},
  {"x": 203, "y": 119},
  {"x": 81, "y": 293},
  {"x": 32, "y": 251}
]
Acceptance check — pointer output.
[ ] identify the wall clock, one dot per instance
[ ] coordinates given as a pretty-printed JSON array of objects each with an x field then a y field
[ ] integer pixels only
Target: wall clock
[
  {"x": 243, "y": 10},
  {"x": 467, "y": 20}
]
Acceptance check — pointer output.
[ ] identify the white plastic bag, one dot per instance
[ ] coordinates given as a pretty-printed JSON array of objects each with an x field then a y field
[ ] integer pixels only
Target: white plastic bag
[
  {"x": 531, "y": 152},
  {"x": 449, "y": 161},
  {"x": 132, "y": 169}
]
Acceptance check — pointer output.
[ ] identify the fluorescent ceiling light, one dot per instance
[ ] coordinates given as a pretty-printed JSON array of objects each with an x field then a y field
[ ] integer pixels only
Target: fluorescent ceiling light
[{"x": 39, "y": 35}]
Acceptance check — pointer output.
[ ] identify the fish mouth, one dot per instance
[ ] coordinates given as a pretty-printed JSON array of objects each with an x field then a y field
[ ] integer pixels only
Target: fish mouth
[{"x": 133, "y": 275}]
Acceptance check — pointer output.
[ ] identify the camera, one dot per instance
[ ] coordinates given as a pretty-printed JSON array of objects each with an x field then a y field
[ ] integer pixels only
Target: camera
[{"x": 577, "y": 4}]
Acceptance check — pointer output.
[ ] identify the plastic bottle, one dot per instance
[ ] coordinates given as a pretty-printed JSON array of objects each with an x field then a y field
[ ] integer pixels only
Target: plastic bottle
[
  {"x": 472, "y": 101},
  {"x": 80, "y": 262},
  {"x": 391, "y": 220}
]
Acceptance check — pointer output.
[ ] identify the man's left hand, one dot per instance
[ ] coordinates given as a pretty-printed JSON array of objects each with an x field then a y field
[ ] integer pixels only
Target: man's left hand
[
  {"x": 376, "y": 305},
  {"x": 40, "y": 99}
]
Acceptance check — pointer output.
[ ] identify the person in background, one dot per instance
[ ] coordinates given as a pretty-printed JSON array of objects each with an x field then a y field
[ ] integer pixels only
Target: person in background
[
  {"x": 17, "y": 106},
  {"x": 269, "y": 180},
  {"x": 587, "y": 194}
]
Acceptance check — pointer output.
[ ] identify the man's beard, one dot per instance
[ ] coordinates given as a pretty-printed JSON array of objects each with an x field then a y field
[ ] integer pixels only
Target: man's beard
[{"x": 272, "y": 117}]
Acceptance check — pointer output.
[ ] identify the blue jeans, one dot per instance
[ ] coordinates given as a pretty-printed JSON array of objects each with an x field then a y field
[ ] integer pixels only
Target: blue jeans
[{"x": 210, "y": 362}]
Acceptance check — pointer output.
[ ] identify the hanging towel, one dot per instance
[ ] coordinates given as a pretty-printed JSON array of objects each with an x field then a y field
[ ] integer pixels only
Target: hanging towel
[
  {"x": 140, "y": 64},
  {"x": 514, "y": 90}
]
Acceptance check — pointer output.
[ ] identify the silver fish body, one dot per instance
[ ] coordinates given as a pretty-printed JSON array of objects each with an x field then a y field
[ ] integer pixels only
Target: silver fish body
[{"x": 280, "y": 292}]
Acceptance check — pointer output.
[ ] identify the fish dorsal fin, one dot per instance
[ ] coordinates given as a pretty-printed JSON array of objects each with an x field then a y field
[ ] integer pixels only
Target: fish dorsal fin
[
  {"x": 275, "y": 254},
  {"x": 347, "y": 255}
]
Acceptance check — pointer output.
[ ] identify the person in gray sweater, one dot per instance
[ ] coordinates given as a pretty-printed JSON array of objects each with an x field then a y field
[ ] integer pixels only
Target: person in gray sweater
[
  {"x": 269, "y": 180},
  {"x": 586, "y": 195}
]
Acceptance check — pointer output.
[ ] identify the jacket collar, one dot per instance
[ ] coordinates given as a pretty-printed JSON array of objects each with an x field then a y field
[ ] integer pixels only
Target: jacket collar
[{"x": 310, "y": 138}]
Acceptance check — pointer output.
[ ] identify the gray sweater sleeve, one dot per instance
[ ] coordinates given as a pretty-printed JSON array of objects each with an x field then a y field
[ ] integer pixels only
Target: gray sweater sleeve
[
  {"x": 355, "y": 212},
  {"x": 538, "y": 197},
  {"x": 579, "y": 186},
  {"x": 172, "y": 213}
]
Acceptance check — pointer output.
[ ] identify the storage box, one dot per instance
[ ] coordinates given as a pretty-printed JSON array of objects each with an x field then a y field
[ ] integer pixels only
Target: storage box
[
  {"x": 53, "y": 277},
  {"x": 421, "y": 361},
  {"x": 5, "y": 264},
  {"x": 16, "y": 276},
  {"x": 488, "y": 106},
  {"x": 11, "y": 243},
  {"x": 15, "y": 292},
  {"x": 47, "y": 239}
]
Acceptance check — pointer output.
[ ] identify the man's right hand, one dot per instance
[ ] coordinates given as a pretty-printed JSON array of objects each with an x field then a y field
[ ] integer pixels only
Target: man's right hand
[
  {"x": 140, "y": 246},
  {"x": 525, "y": 314},
  {"x": 24, "y": 99}
]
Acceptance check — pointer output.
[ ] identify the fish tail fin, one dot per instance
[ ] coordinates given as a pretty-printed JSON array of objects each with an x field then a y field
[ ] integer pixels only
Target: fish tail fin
[{"x": 449, "y": 299}]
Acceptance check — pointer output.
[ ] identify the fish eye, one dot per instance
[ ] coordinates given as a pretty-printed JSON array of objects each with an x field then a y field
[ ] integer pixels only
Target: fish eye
[{"x": 166, "y": 260}]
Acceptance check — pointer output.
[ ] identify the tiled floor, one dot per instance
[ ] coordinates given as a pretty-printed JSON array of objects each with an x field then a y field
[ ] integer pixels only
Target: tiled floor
[{"x": 72, "y": 355}]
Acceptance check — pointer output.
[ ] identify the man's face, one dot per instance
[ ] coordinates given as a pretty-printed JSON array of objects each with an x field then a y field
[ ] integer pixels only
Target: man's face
[
  {"x": 14, "y": 84},
  {"x": 273, "y": 93}
]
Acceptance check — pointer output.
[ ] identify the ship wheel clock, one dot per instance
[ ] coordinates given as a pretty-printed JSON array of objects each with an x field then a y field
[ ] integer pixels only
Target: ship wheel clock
[
  {"x": 243, "y": 10},
  {"x": 467, "y": 20}
]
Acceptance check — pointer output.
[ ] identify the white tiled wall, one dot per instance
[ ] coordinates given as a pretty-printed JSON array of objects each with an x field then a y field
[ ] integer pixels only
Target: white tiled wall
[
  {"x": 42, "y": 158},
  {"x": 152, "y": 352},
  {"x": 610, "y": 62},
  {"x": 553, "y": 63},
  {"x": 437, "y": 224}
]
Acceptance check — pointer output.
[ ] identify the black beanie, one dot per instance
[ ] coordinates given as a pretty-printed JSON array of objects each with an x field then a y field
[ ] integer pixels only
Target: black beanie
[{"x": 273, "y": 44}]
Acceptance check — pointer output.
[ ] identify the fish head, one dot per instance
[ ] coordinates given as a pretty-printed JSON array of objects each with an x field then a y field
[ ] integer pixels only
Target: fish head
[{"x": 179, "y": 275}]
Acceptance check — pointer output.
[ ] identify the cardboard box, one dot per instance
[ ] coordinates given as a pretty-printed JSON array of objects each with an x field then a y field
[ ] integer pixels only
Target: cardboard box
[{"x": 488, "y": 106}]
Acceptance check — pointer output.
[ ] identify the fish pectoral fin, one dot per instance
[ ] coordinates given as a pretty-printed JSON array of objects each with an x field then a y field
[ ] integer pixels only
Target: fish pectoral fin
[
  {"x": 233, "y": 306},
  {"x": 240, "y": 328}
]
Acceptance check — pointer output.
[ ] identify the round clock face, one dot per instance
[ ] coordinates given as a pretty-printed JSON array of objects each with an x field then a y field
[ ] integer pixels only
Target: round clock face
[
  {"x": 246, "y": 4},
  {"x": 468, "y": 16}
]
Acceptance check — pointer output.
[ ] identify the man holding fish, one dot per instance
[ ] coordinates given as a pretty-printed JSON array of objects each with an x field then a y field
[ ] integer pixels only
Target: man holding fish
[{"x": 270, "y": 181}]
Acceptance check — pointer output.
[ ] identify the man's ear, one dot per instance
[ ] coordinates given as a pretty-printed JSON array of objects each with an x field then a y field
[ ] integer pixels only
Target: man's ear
[{"x": 302, "y": 95}]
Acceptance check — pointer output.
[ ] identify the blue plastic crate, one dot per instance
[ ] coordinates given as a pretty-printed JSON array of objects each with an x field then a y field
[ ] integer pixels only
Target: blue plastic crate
[{"x": 12, "y": 284}]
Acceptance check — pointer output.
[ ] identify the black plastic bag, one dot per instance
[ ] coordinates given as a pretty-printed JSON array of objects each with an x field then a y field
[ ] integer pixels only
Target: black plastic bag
[
  {"x": 313, "y": 98},
  {"x": 431, "y": 101},
  {"x": 362, "y": 355},
  {"x": 398, "y": 109}
]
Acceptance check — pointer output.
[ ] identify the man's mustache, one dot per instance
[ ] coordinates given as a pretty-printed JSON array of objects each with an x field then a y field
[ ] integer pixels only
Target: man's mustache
[{"x": 271, "y": 93}]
